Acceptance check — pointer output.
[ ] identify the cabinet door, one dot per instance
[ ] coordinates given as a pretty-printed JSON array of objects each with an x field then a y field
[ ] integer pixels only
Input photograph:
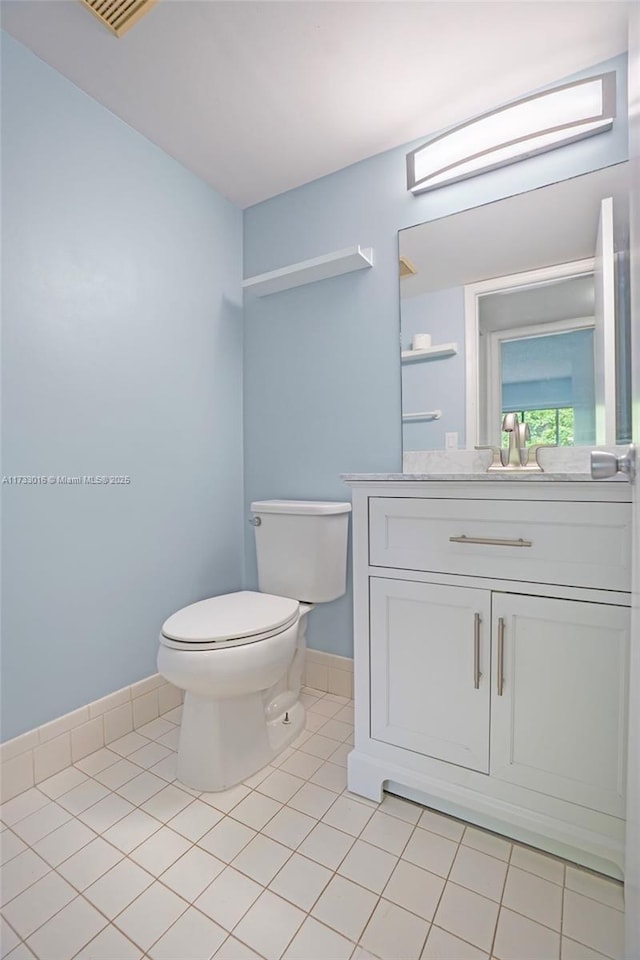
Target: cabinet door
[
  {"x": 558, "y": 717},
  {"x": 427, "y": 694}
]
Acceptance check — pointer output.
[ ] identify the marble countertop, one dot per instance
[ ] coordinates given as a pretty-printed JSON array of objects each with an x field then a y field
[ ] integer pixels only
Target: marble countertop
[
  {"x": 559, "y": 465},
  {"x": 511, "y": 476}
]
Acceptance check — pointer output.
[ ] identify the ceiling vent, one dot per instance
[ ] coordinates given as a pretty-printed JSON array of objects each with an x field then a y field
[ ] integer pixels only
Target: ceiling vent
[
  {"x": 119, "y": 15},
  {"x": 407, "y": 269}
]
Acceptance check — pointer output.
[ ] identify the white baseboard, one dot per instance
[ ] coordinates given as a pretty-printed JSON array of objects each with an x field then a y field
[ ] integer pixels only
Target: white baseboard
[
  {"x": 329, "y": 673},
  {"x": 40, "y": 753},
  {"x": 34, "y": 756}
]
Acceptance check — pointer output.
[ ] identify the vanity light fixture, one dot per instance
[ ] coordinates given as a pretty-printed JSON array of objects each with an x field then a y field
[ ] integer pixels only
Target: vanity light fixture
[{"x": 522, "y": 129}]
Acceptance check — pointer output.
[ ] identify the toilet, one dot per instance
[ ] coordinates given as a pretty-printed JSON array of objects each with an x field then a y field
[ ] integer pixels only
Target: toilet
[{"x": 239, "y": 657}]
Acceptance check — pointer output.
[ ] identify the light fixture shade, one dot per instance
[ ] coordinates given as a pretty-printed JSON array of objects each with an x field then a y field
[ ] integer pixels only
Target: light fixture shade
[{"x": 522, "y": 129}]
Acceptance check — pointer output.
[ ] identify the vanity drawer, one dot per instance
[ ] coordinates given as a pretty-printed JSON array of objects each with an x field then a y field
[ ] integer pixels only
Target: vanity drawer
[{"x": 570, "y": 543}]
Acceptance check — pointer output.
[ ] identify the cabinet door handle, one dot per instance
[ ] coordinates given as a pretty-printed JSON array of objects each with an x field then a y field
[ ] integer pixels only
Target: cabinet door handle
[
  {"x": 492, "y": 541},
  {"x": 476, "y": 651},
  {"x": 500, "y": 656}
]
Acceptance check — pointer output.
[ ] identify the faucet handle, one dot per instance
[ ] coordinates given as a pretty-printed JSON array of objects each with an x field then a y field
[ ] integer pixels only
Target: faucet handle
[
  {"x": 496, "y": 458},
  {"x": 533, "y": 463}
]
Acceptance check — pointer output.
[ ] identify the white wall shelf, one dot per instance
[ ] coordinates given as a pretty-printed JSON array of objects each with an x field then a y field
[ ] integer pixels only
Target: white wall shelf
[
  {"x": 426, "y": 415},
  {"x": 437, "y": 352},
  {"x": 308, "y": 271}
]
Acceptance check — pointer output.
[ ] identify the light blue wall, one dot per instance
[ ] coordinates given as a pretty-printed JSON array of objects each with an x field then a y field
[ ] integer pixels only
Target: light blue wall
[
  {"x": 123, "y": 354},
  {"x": 322, "y": 373},
  {"x": 122, "y": 351},
  {"x": 434, "y": 384}
]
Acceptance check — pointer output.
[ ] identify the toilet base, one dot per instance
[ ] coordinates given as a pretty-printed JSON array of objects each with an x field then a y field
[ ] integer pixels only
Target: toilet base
[{"x": 222, "y": 742}]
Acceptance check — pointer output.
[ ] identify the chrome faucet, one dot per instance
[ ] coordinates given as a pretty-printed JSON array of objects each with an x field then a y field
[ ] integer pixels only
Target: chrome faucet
[
  {"x": 518, "y": 435},
  {"x": 517, "y": 456}
]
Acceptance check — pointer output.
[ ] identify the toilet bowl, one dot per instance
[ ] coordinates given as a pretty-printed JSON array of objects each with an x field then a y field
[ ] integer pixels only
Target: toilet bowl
[
  {"x": 239, "y": 657},
  {"x": 233, "y": 656}
]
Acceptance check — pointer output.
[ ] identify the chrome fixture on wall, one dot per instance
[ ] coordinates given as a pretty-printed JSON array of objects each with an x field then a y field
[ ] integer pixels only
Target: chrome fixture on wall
[{"x": 533, "y": 125}]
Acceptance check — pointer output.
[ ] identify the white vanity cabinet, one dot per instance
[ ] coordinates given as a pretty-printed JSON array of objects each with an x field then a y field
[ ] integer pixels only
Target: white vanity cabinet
[
  {"x": 425, "y": 642},
  {"x": 559, "y": 698},
  {"x": 491, "y": 645}
]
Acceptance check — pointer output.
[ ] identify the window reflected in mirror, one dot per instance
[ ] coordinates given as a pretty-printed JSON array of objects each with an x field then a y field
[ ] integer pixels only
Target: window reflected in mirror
[{"x": 537, "y": 341}]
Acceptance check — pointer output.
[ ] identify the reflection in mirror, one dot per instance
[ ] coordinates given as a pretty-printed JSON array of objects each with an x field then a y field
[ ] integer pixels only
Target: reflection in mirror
[
  {"x": 536, "y": 356},
  {"x": 521, "y": 305}
]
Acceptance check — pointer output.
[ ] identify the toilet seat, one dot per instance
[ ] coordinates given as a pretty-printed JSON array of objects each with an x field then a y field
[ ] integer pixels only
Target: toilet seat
[{"x": 230, "y": 620}]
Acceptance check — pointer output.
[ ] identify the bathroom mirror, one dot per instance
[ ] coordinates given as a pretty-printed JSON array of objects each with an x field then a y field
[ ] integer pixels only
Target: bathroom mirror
[{"x": 519, "y": 305}]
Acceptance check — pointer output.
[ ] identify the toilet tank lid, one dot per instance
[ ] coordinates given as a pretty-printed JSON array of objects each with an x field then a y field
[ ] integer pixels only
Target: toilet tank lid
[
  {"x": 230, "y": 616},
  {"x": 300, "y": 507}
]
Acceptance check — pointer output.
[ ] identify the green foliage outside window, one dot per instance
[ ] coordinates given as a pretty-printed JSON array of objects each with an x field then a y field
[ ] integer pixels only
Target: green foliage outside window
[{"x": 550, "y": 426}]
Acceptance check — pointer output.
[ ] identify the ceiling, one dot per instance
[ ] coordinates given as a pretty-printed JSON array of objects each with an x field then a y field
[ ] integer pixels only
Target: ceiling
[{"x": 257, "y": 97}]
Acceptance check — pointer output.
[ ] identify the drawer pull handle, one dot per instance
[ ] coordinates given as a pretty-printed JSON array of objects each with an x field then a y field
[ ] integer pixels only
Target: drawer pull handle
[
  {"x": 476, "y": 651},
  {"x": 500, "y": 670},
  {"x": 492, "y": 541}
]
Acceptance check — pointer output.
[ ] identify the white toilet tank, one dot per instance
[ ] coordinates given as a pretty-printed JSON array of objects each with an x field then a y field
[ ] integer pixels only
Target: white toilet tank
[{"x": 302, "y": 548}]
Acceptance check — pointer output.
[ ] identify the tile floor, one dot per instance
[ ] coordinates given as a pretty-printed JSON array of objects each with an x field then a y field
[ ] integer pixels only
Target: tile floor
[{"x": 113, "y": 859}]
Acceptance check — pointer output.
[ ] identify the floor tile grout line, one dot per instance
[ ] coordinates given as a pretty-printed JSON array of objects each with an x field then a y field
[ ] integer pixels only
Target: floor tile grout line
[
  {"x": 589, "y": 946},
  {"x": 244, "y": 942},
  {"x": 162, "y": 824},
  {"x": 9, "y": 859},
  {"x": 250, "y": 907},
  {"x": 293, "y": 853},
  {"x": 531, "y": 919},
  {"x": 335, "y": 871},
  {"x": 327, "y": 926},
  {"x": 96, "y": 836},
  {"x": 154, "y": 880},
  {"x": 539, "y": 922},
  {"x": 108, "y": 924},
  {"x": 459, "y": 937},
  {"x": 295, "y": 933},
  {"x": 282, "y": 805},
  {"x": 317, "y": 820},
  {"x": 586, "y": 896},
  {"x": 308, "y": 913},
  {"x": 123, "y": 856},
  {"x": 189, "y": 904},
  {"x": 53, "y": 866},
  {"x": 62, "y": 908},
  {"x": 500, "y": 902},
  {"x": 13, "y": 929},
  {"x": 120, "y": 819},
  {"x": 196, "y": 843},
  {"x": 518, "y": 912},
  {"x": 446, "y": 881},
  {"x": 381, "y": 895},
  {"x": 33, "y": 812}
]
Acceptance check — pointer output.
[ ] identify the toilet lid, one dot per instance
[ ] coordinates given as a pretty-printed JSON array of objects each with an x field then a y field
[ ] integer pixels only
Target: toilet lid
[{"x": 230, "y": 616}]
